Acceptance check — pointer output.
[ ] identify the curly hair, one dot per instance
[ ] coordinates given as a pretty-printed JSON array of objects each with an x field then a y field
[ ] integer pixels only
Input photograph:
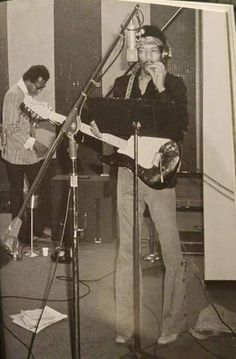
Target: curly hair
[{"x": 154, "y": 31}]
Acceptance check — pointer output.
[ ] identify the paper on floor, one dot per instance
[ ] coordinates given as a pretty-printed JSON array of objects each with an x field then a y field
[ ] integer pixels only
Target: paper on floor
[{"x": 28, "y": 319}]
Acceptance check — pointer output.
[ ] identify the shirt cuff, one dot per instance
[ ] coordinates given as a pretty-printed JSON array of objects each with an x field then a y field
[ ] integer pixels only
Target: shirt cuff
[{"x": 29, "y": 143}]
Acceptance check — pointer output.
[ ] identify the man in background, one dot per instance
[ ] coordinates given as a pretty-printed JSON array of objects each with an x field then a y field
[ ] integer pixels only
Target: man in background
[{"x": 21, "y": 151}]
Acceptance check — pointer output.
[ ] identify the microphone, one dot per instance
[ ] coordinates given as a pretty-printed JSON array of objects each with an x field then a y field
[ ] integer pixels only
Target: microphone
[{"x": 132, "y": 54}]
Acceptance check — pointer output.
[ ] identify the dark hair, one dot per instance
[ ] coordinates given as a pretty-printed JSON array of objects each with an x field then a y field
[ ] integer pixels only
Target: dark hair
[
  {"x": 36, "y": 71},
  {"x": 151, "y": 30}
]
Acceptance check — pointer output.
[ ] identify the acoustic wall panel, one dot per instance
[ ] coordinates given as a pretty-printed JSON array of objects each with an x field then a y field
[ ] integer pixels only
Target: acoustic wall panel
[
  {"x": 3, "y": 81},
  {"x": 181, "y": 35},
  {"x": 219, "y": 155},
  {"x": 31, "y": 43},
  {"x": 3, "y": 52},
  {"x": 30, "y": 40},
  {"x": 77, "y": 28}
]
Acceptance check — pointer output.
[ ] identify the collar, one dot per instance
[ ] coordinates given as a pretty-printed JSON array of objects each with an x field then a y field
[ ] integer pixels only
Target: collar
[{"x": 22, "y": 86}]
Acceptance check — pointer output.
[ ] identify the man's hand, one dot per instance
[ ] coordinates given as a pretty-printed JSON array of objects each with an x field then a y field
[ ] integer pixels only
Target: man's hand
[
  {"x": 95, "y": 130},
  {"x": 158, "y": 74},
  {"x": 40, "y": 148}
]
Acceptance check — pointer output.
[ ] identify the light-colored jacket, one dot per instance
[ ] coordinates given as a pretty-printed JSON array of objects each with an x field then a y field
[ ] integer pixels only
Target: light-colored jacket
[{"x": 17, "y": 129}]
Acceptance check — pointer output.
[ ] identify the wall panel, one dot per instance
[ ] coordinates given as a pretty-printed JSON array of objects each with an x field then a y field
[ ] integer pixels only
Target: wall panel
[
  {"x": 30, "y": 40},
  {"x": 181, "y": 34},
  {"x": 3, "y": 80},
  {"x": 31, "y": 43},
  {"x": 77, "y": 28},
  {"x": 3, "y": 51},
  {"x": 218, "y": 160}
]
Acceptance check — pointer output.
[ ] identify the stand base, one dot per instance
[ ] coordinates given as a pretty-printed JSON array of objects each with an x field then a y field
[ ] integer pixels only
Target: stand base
[
  {"x": 31, "y": 254},
  {"x": 61, "y": 255},
  {"x": 141, "y": 355}
]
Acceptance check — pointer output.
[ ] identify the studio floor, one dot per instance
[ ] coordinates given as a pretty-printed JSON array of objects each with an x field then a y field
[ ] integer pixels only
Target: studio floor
[{"x": 23, "y": 286}]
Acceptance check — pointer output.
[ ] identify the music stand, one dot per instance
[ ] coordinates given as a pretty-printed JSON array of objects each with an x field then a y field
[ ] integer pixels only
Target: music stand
[
  {"x": 102, "y": 110},
  {"x": 116, "y": 116}
]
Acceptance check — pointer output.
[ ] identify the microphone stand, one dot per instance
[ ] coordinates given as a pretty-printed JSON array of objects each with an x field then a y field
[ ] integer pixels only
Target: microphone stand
[
  {"x": 77, "y": 234},
  {"x": 136, "y": 352},
  {"x": 69, "y": 128},
  {"x": 136, "y": 247}
]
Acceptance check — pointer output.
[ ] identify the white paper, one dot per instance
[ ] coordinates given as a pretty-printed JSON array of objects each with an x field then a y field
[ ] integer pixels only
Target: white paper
[{"x": 28, "y": 319}]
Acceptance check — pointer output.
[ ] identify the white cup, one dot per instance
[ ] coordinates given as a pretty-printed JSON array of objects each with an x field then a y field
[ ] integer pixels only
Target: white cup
[{"x": 45, "y": 251}]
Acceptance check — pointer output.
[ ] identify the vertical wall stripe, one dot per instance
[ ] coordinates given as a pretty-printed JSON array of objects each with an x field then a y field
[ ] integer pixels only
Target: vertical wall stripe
[
  {"x": 218, "y": 155},
  {"x": 31, "y": 42},
  {"x": 4, "y": 186},
  {"x": 77, "y": 29},
  {"x": 181, "y": 34},
  {"x": 77, "y": 48},
  {"x": 3, "y": 51},
  {"x": 31, "y": 39}
]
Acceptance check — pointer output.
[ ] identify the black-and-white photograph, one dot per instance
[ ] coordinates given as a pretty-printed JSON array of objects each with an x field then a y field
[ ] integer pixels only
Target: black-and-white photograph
[{"x": 117, "y": 179}]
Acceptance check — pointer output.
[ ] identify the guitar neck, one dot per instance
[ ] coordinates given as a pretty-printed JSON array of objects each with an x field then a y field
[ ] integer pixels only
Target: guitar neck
[
  {"x": 105, "y": 137},
  {"x": 33, "y": 108},
  {"x": 86, "y": 129}
]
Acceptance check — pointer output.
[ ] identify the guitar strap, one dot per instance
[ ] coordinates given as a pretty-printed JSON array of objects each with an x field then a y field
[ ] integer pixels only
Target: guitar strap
[{"x": 129, "y": 86}]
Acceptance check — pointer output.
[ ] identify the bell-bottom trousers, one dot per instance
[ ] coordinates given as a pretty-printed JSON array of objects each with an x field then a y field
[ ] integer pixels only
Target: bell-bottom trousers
[{"x": 162, "y": 208}]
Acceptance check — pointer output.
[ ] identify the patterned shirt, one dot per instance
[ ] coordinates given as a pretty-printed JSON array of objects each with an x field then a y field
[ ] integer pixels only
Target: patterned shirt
[{"x": 17, "y": 128}]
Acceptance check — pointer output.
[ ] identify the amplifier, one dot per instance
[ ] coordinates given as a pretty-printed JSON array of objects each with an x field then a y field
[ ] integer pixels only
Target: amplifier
[
  {"x": 95, "y": 203},
  {"x": 189, "y": 192}
]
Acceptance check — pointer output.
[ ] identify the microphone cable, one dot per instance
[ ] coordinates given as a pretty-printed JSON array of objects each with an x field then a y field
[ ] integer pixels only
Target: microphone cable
[{"x": 15, "y": 336}]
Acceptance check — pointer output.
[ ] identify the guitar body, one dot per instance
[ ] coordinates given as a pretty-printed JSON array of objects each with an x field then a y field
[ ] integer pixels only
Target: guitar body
[{"x": 157, "y": 177}]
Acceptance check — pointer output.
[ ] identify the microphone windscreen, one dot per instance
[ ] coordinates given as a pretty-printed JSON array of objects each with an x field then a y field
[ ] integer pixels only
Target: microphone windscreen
[{"x": 132, "y": 54}]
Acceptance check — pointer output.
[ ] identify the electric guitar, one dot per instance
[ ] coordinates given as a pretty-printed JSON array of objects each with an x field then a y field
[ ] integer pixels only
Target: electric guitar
[{"x": 158, "y": 158}]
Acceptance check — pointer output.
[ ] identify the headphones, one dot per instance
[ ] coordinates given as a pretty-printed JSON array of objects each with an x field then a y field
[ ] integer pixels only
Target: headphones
[{"x": 166, "y": 52}]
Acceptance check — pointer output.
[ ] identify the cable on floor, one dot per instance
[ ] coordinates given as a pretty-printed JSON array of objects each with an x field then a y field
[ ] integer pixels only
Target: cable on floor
[{"x": 15, "y": 336}]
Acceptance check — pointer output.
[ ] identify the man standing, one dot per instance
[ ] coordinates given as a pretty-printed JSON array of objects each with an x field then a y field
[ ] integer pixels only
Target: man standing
[
  {"x": 152, "y": 82},
  {"x": 169, "y": 110},
  {"x": 22, "y": 152}
]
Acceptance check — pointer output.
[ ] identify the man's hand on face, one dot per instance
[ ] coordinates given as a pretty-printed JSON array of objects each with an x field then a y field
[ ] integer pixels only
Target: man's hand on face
[
  {"x": 40, "y": 148},
  {"x": 157, "y": 71}
]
